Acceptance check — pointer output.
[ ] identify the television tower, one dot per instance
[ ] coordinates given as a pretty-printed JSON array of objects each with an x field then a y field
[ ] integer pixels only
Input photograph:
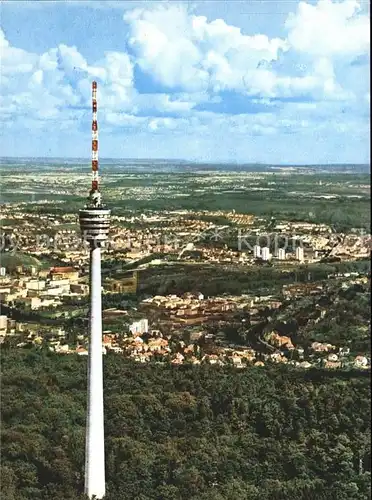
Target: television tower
[{"x": 94, "y": 224}]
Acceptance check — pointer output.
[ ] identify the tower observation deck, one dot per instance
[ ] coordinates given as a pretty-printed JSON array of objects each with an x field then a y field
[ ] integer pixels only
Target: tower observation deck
[{"x": 95, "y": 224}]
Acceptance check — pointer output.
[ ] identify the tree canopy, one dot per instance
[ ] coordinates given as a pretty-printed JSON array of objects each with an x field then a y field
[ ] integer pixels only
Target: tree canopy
[{"x": 188, "y": 432}]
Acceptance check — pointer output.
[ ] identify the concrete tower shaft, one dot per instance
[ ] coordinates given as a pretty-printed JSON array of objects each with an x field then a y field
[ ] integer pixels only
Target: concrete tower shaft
[{"x": 95, "y": 439}]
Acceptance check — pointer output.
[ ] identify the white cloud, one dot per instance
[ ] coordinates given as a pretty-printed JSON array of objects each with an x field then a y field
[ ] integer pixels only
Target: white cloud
[
  {"x": 181, "y": 49},
  {"x": 329, "y": 29},
  {"x": 14, "y": 60},
  {"x": 61, "y": 77},
  {"x": 69, "y": 59},
  {"x": 162, "y": 123},
  {"x": 45, "y": 86},
  {"x": 124, "y": 119},
  {"x": 180, "y": 103}
]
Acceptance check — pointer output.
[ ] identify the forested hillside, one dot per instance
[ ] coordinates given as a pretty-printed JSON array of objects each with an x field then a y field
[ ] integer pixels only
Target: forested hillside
[{"x": 189, "y": 432}]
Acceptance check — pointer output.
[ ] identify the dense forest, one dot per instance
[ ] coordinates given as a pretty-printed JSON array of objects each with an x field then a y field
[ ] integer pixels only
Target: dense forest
[{"x": 188, "y": 432}]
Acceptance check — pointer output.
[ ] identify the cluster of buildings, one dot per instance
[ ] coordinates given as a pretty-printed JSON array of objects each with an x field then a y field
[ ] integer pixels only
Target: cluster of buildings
[
  {"x": 319, "y": 354},
  {"x": 172, "y": 312},
  {"x": 265, "y": 254},
  {"x": 135, "y": 237},
  {"x": 179, "y": 233},
  {"x": 144, "y": 344},
  {"x": 298, "y": 290},
  {"x": 179, "y": 332},
  {"x": 33, "y": 289}
]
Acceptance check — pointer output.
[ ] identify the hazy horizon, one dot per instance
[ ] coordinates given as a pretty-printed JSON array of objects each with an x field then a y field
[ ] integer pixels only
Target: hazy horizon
[{"x": 180, "y": 160}]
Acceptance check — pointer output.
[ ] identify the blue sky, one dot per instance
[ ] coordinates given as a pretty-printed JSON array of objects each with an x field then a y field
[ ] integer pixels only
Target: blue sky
[{"x": 246, "y": 81}]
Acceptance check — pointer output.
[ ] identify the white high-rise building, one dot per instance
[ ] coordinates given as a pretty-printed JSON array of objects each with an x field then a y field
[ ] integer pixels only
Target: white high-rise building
[
  {"x": 265, "y": 254},
  {"x": 281, "y": 254},
  {"x": 300, "y": 254},
  {"x": 3, "y": 324},
  {"x": 139, "y": 327},
  {"x": 256, "y": 251}
]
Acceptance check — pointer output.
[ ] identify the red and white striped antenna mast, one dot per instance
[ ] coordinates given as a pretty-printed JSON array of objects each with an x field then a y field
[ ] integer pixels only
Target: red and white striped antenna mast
[{"x": 95, "y": 195}]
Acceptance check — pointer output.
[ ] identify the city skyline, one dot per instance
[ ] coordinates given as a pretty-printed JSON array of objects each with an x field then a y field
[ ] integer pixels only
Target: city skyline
[{"x": 253, "y": 85}]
